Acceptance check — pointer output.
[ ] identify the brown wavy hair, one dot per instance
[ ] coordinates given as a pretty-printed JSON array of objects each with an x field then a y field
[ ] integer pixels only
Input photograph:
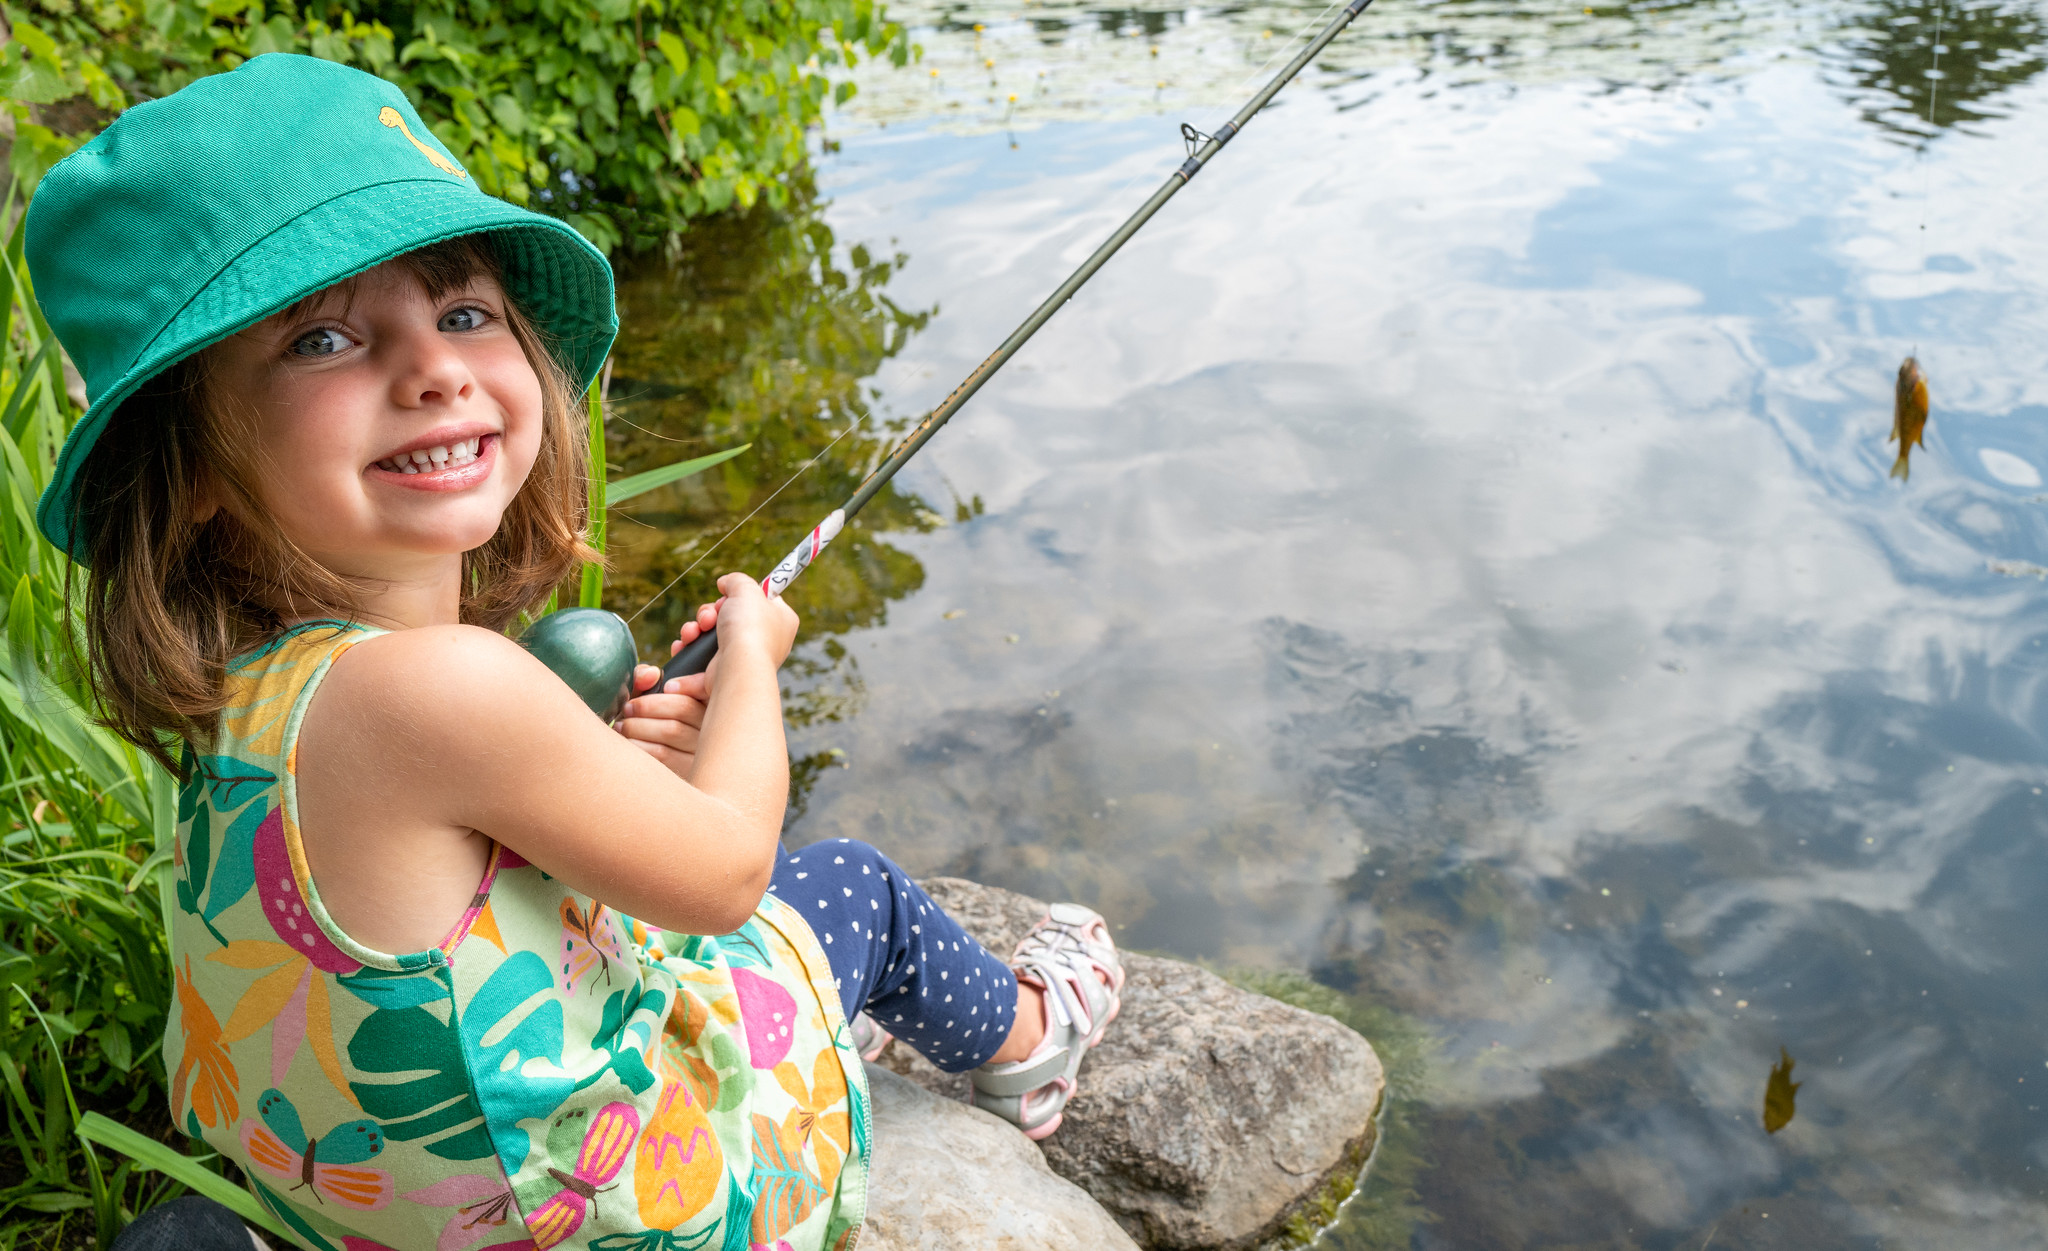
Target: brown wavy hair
[{"x": 170, "y": 600}]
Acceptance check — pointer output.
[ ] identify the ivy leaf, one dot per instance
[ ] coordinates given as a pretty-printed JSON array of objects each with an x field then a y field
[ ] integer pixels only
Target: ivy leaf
[
  {"x": 39, "y": 45},
  {"x": 508, "y": 113},
  {"x": 116, "y": 1046},
  {"x": 640, "y": 85},
  {"x": 35, "y": 82},
  {"x": 672, "y": 48}
]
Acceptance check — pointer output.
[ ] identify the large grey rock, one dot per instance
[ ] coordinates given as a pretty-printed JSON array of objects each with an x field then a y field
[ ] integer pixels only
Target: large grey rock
[
  {"x": 949, "y": 1177},
  {"x": 1210, "y": 1117}
]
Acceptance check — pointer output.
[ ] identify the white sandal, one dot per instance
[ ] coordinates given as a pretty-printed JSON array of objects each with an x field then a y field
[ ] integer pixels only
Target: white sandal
[{"x": 1072, "y": 959}]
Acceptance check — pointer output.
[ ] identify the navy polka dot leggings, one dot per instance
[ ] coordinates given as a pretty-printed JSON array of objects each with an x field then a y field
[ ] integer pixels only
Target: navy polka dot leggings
[{"x": 897, "y": 955}]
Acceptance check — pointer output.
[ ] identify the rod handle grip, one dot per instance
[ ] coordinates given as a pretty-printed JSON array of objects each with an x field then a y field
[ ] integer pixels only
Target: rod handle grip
[{"x": 694, "y": 658}]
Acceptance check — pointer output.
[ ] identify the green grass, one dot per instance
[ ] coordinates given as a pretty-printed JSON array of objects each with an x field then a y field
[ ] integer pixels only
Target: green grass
[{"x": 83, "y": 984}]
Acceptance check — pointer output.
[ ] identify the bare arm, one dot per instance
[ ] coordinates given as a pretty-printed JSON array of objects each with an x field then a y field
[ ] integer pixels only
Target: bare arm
[{"x": 448, "y": 729}]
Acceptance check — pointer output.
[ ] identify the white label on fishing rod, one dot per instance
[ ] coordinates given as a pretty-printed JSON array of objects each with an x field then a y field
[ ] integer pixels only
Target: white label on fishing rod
[{"x": 805, "y": 552}]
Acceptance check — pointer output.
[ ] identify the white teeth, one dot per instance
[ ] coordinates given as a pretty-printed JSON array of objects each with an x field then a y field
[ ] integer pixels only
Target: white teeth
[{"x": 443, "y": 456}]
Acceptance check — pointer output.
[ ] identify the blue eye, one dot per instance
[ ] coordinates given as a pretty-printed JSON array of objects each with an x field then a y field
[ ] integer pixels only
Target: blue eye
[
  {"x": 321, "y": 342},
  {"x": 463, "y": 319}
]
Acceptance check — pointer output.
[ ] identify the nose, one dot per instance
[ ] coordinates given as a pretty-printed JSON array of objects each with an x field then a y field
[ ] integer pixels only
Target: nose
[{"x": 428, "y": 371}]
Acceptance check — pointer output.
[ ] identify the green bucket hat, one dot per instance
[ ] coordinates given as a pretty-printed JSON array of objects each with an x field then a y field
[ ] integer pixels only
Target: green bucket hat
[{"x": 200, "y": 214}]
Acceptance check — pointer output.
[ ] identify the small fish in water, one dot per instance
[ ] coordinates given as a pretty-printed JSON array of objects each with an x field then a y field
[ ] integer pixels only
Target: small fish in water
[
  {"x": 1781, "y": 1089},
  {"x": 1909, "y": 414}
]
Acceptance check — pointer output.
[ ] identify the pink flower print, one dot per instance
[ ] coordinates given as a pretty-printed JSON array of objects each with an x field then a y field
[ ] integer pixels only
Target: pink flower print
[
  {"x": 483, "y": 1206},
  {"x": 770, "y": 1016},
  {"x": 285, "y": 907}
]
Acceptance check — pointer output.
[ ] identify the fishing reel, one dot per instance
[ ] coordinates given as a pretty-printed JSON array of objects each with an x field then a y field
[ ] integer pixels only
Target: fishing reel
[{"x": 592, "y": 650}]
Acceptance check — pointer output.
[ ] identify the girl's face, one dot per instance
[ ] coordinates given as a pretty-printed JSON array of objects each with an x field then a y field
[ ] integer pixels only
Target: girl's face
[{"x": 393, "y": 429}]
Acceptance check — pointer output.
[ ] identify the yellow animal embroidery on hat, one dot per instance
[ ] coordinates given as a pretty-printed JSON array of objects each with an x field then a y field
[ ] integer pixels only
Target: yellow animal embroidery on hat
[{"x": 389, "y": 116}]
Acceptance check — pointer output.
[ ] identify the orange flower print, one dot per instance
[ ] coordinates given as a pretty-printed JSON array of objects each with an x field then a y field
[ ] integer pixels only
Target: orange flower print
[
  {"x": 789, "y": 1191},
  {"x": 215, "y": 1084},
  {"x": 820, "y": 1117}
]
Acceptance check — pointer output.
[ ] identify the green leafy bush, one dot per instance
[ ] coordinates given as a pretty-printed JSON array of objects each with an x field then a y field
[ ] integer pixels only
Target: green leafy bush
[{"x": 626, "y": 117}]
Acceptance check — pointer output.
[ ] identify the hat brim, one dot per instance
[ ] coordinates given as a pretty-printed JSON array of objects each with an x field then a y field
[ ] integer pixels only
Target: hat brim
[{"x": 561, "y": 282}]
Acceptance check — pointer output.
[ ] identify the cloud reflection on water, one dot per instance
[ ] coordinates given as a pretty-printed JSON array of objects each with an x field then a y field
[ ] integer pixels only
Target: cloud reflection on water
[
  {"x": 1451, "y": 551},
  {"x": 1506, "y": 497}
]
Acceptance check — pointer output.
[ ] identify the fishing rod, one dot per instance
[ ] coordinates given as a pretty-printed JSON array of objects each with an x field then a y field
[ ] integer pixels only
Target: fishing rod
[{"x": 593, "y": 649}]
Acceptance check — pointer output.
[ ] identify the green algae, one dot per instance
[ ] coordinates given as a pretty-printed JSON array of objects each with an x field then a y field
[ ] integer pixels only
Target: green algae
[{"x": 1370, "y": 1201}]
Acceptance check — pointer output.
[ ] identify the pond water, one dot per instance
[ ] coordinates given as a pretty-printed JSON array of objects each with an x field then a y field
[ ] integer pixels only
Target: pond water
[{"x": 1451, "y": 553}]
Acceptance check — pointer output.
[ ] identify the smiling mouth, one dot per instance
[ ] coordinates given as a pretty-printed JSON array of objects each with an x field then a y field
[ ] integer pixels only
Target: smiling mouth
[{"x": 428, "y": 459}]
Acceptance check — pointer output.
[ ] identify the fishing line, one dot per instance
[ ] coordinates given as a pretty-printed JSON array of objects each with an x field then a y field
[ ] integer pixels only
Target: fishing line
[
  {"x": 806, "y": 467},
  {"x": 1927, "y": 171},
  {"x": 593, "y": 650},
  {"x": 1933, "y": 94},
  {"x": 1209, "y": 120},
  {"x": 1217, "y": 111},
  {"x": 1283, "y": 49}
]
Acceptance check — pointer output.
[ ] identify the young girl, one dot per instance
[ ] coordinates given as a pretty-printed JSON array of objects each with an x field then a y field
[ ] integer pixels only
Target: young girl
[{"x": 458, "y": 966}]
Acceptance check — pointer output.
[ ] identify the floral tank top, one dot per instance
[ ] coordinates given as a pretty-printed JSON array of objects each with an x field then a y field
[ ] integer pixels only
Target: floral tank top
[{"x": 554, "y": 1074}]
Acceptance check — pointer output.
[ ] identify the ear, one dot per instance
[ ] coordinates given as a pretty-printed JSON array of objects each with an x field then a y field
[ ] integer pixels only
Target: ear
[{"x": 205, "y": 499}]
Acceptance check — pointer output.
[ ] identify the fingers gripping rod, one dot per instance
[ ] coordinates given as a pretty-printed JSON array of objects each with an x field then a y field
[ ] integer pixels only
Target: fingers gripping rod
[{"x": 695, "y": 657}]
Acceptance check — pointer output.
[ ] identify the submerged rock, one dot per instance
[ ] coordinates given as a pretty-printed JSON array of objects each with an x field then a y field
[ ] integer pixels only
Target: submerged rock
[
  {"x": 948, "y": 1176},
  {"x": 1210, "y": 1117}
]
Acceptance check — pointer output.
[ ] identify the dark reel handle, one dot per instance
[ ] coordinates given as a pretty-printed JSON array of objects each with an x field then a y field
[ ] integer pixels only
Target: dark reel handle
[{"x": 693, "y": 659}]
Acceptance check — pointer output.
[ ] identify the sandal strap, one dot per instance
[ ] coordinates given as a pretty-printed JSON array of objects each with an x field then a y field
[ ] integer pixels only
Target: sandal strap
[
  {"x": 1071, "y": 958},
  {"x": 1023, "y": 1076},
  {"x": 1080, "y": 991},
  {"x": 1044, "y": 1113}
]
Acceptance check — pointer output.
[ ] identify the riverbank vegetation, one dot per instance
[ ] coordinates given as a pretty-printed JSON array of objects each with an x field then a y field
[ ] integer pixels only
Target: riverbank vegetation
[
  {"x": 628, "y": 118},
  {"x": 87, "y": 823}
]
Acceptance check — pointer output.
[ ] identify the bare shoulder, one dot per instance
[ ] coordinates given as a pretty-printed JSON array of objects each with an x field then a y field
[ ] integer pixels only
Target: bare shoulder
[
  {"x": 442, "y": 646},
  {"x": 438, "y": 692}
]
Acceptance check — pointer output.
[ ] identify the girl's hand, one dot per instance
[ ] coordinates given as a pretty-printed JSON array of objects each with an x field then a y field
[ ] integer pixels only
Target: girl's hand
[
  {"x": 665, "y": 724},
  {"x": 747, "y": 620}
]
